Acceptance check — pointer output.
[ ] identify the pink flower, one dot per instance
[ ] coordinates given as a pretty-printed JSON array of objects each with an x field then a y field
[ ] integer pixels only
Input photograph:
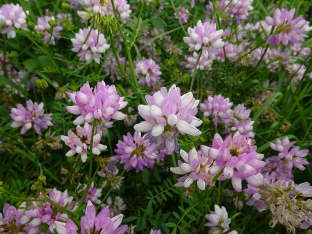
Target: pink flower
[
  {"x": 12, "y": 16},
  {"x": 238, "y": 9},
  {"x": 93, "y": 193},
  {"x": 135, "y": 152},
  {"x": 111, "y": 67},
  {"x": 219, "y": 221},
  {"x": 32, "y": 116},
  {"x": 44, "y": 26},
  {"x": 287, "y": 30},
  {"x": 205, "y": 37},
  {"x": 183, "y": 14},
  {"x": 236, "y": 159},
  {"x": 80, "y": 143},
  {"x": 92, "y": 48},
  {"x": 148, "y": 72},
  {"x": 219, "y": 108},
  {"x": 101, "y": 223},
  {"x": 167, "y": 111},
  {"x": 101, "y": 102},
  {"x": 203, "y": 63},
  {"x": 195, "y": 168}
]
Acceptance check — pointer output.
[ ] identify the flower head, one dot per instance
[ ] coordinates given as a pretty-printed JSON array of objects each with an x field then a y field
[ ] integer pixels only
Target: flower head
[
  {"x": 148, "y": 72},
  {"x": 92, "y": 48},
  {"x": 183, "y": 14},
  {"x": 167, "y": 111},
  {"x": 50, "y": 33},
  {"x": 111, "y": 66},
  {"x": 101, "y": 102},
  {"x": 12, "y": 16},
  {"x": 93, "y": 193},
  {"x": 80, "y": 142},
  {"x": 136, "y": 152},
  {"x": 32, "y": 115}
]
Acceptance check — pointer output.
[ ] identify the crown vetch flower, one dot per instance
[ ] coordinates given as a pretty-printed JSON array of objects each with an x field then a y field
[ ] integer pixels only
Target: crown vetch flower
[
  {"x": 44, "y": 26},
  {"x": 10, "y": 222},
  {"x": 111, "y": 66},
  {"x": 32, "y": 115},
  {"x": 12, "y": 16},
  {"x": 94, "y": 46},
  {"x": 236, "y": 158},
  {"x": 195, "y": 168},
  {"x": 148, "y": 72},
  {"x": 238, "y": 9},
  {"x": 101, "y": 102},
  {"x": 93, "y": 193},
  {"x": 219, "y": 221},
  {"x": 205, "y": 37},
  {"x": 167, "y": 111},
  {"x": 203, "y": 63},
  {"x": 45, "y": 215},
  {"x": 183, "y": 14},
  {"x": 288, "y": 30},
  {"x": 135, "y": 152},
  {"x": 101, "y": 223},
  {"x": 80, "y": 142}
]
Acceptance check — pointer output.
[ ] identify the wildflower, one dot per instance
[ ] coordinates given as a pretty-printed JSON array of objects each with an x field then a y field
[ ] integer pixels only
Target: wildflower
[
  {"x": 155, "y": 232},
  {"x": 183, "y": 14},
  {"x": 74, "y": 4},
  {"x": 91, "y": 48},
  {"x": 219, "y": 221},
  {"x": 195, "y": 168},
  {"x": 12, "y": 16},
  {"x": 110, "y": 173},
  {"x": 80, "y": 143},
  {"x": 285, "y": 202},
  {"x": 296, "y": 71},
  {"x": 167, "y": 111},
  {"x": 101, "y": 223},
  {"x": 32, "y": 116},
  {"x": 111, "y": 67},
  {"x": 235, "y": 158},
  {"x": 219, "y": 108},
  {"x": 288, "y": 30},
  {"x": 115, "y": 207},
  {"x": 205, "y": 37},
  {"x": 102, "y": 103},
  {"x": 130, "y": 119},
  {"x": 62, "y": 18},
  {"x": 45, "y": 216},
  {"x": 148, "y": 72},
  {"x": 10, "y": 222},
  {"x": 51, "y": 141},
  {"x": 93, "y": 193},
  {"x": 50, "y": 34},
  {"x": 238, "y": 9},
  {"x": 203, "y": 63},
  {"x": 135, "y": 152},
  {"x": 230, "y": 53}
]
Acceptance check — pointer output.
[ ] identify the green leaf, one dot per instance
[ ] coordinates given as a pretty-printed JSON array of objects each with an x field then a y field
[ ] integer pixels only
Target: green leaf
[
  {"x": 176, "y": 215},
  {"x": 30, "y": 64},
  {"x": 7, "y": 81},
  {"x": 182, "y": 230},
  {"x": 145, "y": 176},
  {"x": 170, "y": 224}
]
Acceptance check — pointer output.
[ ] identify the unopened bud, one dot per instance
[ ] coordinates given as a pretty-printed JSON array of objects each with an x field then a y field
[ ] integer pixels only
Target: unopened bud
[
  {"x": 42, "y": 35},
  {"x": 52, "y": 23},
  {"x": 108, "y": 23},
  {"x": 30, "y": 25},
  {"x": 65, "y": 6},
  {"x": 42, "y": 178},
  {"x": 41, "y": 84},
  {"x": 71, "y": 160},
  {"x": 11, "y": 56}
]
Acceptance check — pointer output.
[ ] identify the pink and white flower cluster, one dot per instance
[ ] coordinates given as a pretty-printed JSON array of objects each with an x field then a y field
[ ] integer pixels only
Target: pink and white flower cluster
[
  {"x": 89, "y": 47},
  {"x": 50, "y": 34},
  {"x": 93, "y": 193},
  {"x": 31, "y": 116},
  {"x": 205, "y": 36},
  {"x": 236, "y": 159},
  {"x": 148, "y": 71},
  {"x": 101, "y": 223},
  {"x": 111, "y": 67},
  {"x": 135, "y": 152},
  {"x": 101, "y": 103},
  {"x": 80, "y": 143},
  {"x": 195, "y": 168},
  {"x": 183, "y": 14},
  {"x": 12, "y": 16},
  {"x": 167, "y": 111}
]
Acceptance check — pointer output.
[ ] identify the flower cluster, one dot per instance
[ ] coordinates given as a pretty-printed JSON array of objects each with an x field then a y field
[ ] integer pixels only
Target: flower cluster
[
  {"x": 111, "y": 67},
  {"x": 183, "y": 14},
  {"x": 167, "y": 111},
  {"x": 51, "y": 32},
  {"x": 135, "y": 152},
  {"x": 31, "y": 116},
  {"x": 80, "y": 142},
  {"x": 12, "y": 16},
  {"x": 101, "y": 102},
  {"x": 148, "y": 72},
  {"x": 236, "y": 159},
  {"x": 89, "y": 45}
]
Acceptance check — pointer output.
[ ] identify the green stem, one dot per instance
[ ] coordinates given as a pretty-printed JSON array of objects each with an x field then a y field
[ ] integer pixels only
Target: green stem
[
  {"x": 90, "y": 166},
  {"x": 109, "y": 144},
  {"x": 36, "y": 153},
  {"x": 126, "y": 45},
  {"x": 195, "y": 70},
  {"x": 177, "y": 14},
  {"x": 109, "y": 191},
  {"x": 45, "y": 106},
  {"x": 266, "y": 48},
  {"x": 118, "y": 62},
  {"x": 137, "y": 24}
]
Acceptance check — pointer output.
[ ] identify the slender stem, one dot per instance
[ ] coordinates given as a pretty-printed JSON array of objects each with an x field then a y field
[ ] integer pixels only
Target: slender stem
[
  {"x": 137, "y": 24},
  {"x": 109, "y": 144},
  {"x": 25, "y": 199},
  {"x": 226, "y": 7},
  {"x": 177, "y": 14},
  {"x": 266, "y": 48},
  {"x": 195, "y": 70},
  {"x": 36, "y": 153},
  {"x": 110, "y": 189},
  {"x": 90, "y": 166},
  {"x": 126, "y": 45},
  {"x": 4, "y": 58},
  {"x": 118, "y": 62},
  {"x": 45, "y": 106}
]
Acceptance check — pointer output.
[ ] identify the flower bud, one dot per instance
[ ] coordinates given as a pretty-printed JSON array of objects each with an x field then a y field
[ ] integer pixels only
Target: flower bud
[
  {"x": 108, "y": 23},
  {"x": 42, "y": 35},
  {"x": 65, "y": 6},
  {"x": 11, "y": 56},
  {"x": 52, "y": 23},
  {"x": 30, "y": 25},
  {"x": 41, "y": 84}
]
